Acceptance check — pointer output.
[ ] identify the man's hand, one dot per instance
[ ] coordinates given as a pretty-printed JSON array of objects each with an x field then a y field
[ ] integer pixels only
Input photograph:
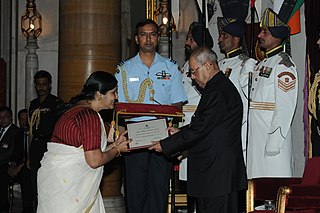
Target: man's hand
[
  {"x": 13, "y": 170},
  {"x": 156, "y": 146}
]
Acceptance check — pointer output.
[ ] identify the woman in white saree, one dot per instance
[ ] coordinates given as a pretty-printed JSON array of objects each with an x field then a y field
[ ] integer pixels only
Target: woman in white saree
[{"x": 71, "y": 169}]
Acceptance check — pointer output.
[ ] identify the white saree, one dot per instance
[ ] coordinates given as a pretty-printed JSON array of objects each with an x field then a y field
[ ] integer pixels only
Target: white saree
[{"x": 66, "y": 183}]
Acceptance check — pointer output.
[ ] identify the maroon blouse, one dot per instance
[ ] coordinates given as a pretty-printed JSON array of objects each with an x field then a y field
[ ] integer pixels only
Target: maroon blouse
[{"x": 79, "y": 126}]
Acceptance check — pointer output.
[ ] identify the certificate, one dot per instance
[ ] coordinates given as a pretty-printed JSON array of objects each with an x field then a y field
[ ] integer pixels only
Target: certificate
[{"x": 143, "y": 133}]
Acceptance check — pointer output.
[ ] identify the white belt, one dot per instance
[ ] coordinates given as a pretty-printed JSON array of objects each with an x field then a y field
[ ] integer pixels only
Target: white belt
[
  {"x": 189, "y": 108},
  {"x": 262, "y": 105}
]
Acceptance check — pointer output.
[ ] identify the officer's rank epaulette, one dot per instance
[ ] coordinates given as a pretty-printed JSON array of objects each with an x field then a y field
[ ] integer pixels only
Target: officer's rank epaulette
[
  {"x": 243, "y": 58},
  {"x": 119, "y": 65},
  {"x": 286, "y": 61},
  {"x": 173, "y": 61}
]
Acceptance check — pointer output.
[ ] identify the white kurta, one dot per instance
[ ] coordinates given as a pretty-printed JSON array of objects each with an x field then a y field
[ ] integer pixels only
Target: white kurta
[
  {"x": 237, "y": 68},
  {"x": 66, "y": 183},
  {"x": 193, "y": 100},
  {"x": 274, "y": 99}
]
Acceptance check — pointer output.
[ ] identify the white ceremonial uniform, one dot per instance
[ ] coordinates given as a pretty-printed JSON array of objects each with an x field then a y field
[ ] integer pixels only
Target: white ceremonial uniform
[
  {"x": 237, "y": 66},
  {"x": 188, "y": 109},
  {"x": 274, "y": 99}
]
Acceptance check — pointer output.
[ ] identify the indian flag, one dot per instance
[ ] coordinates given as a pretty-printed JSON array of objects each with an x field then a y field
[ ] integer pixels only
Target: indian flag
[{"x": 294, "y": 20}]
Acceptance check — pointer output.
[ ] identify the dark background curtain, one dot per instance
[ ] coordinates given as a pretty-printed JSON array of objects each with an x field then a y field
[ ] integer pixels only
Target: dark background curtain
[{"x": 312, "y": 22}]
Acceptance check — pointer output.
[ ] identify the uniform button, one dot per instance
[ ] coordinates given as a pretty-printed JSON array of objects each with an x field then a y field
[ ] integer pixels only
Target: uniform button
[
  {"x": 256, "y": 79},
  {"x": 252, "y": 89},
  {"x": 224, "y": 62}
]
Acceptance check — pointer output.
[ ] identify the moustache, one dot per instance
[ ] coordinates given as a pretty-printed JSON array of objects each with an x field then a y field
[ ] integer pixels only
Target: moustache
[{"x": 187, "y": 47}]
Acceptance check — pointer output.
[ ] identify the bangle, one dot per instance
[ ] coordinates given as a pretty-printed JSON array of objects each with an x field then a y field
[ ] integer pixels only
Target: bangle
[{"x": 119, "y": 152}]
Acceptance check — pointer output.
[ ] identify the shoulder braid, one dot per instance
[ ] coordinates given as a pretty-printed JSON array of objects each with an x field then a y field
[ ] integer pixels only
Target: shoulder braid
[{"x": 286, "y": 61}]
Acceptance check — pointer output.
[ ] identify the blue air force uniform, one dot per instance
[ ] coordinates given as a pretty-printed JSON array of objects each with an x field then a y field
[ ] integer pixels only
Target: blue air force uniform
[{"x": 148, "y": 172}]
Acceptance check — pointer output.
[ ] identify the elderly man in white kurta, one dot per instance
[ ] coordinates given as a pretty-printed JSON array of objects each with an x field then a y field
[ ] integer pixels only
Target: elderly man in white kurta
[
  {"x": 236, "y": 65},
  {"x": 274, "y": 99}
]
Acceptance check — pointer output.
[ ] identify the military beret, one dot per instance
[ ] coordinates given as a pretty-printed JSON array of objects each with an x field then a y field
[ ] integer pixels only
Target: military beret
[
  {"x": 232, "y": 26},
  {"x": 275, "y": 25},
  {"x": 197, "y": 35}
]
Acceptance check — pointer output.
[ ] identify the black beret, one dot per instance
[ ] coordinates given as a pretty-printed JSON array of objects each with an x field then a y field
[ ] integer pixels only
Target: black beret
[
  {"x": 197, "y": 35},
  {"x": 232, "y": 26}
]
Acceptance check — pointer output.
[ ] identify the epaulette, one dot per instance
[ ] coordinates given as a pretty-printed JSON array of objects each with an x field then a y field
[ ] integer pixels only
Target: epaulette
[
  {"x": 286, "y": 61},
  {"x": 173, "y": 61},
  {"x": 243, "y": 58},
  {"x": 119, "y": 65}
]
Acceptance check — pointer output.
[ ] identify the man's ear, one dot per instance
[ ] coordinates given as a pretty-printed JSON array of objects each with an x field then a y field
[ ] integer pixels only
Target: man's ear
[
  {"x": 237, "y": 39},
  {"x": 136, "y": 39},
  {"x": 215, "y": 65}
]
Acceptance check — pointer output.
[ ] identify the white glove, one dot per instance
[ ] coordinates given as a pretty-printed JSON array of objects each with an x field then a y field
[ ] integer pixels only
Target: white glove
[{"x": 271, "y": 151}]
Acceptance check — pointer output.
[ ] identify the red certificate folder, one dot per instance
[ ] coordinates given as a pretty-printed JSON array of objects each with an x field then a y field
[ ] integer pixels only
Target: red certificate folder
[{"x": 135, "y": 109}]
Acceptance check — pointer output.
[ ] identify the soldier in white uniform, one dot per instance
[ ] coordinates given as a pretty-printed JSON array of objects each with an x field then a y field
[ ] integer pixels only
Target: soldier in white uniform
[
  {"x": 194, "y": 39},
  {"x": 274, "y": 99},
  {"x": 236, "y": 65}
]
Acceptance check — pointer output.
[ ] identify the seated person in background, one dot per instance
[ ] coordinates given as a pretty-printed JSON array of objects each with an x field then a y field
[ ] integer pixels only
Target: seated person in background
[
  {"x": 10, "y": 136},
  {"x": 18, "y": 168}
]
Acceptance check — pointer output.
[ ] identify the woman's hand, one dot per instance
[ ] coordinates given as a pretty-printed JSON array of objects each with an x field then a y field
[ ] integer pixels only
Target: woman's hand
[
  {"x": 172, "y": 130},
  {"x": 122, "y": 143}
]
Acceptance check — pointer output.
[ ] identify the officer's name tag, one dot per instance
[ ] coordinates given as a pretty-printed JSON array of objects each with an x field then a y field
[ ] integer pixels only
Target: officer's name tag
[{"x": 133, "y": 79}]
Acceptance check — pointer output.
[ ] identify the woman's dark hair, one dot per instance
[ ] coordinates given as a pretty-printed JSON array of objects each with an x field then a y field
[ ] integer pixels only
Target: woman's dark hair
[{"x": 98, "y": 81}]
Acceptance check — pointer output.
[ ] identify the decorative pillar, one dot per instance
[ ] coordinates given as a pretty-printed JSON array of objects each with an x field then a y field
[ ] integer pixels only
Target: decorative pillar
[
  {"x": 89, "y": 40},
  {"x": 32, "y": 66}
]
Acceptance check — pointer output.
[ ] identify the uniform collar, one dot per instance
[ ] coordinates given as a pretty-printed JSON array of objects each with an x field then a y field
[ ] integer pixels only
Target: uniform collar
[
  {"x": 157, "y": 58},
  {"x": 234, "y": 53},
  {"x": 274, "y": 51}
]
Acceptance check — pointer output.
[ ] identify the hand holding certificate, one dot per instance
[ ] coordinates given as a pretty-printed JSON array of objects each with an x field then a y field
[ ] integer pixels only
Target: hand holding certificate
[{"x": 143, "y": 133}]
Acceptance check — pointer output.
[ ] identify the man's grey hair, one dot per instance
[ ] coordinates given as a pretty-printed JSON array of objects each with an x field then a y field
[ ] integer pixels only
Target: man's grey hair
[{"x": 204, "y": 54}]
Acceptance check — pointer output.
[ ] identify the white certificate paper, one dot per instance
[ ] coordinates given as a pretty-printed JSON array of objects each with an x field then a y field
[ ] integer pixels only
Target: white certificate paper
[{"x": 143, "y": 133}]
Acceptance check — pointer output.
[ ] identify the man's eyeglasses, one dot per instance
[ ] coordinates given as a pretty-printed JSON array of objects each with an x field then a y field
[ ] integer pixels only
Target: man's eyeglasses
[{"x": 195, "y": 70}]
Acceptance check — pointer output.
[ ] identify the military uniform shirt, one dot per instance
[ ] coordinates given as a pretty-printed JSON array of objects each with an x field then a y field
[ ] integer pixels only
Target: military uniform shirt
[
  {"x": 236, "y": 66},
  {"x": 165, "y": 76},
  {"x": 274, "y": 100}
]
